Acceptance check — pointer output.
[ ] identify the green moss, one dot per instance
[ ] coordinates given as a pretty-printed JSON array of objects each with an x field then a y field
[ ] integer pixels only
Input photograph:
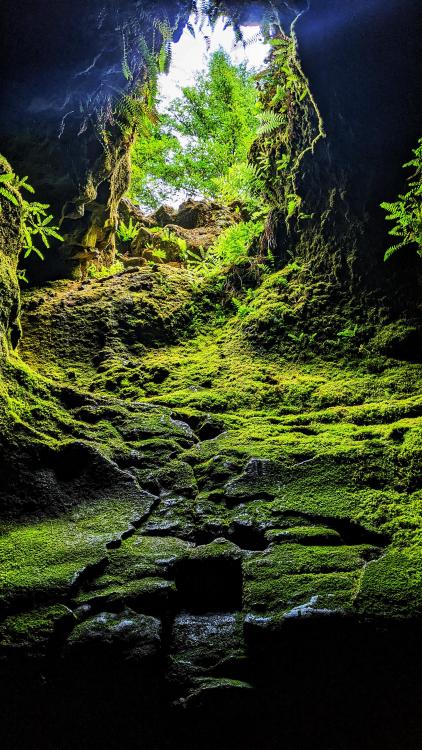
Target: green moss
[
  {"x": 242, "y": 443},
  {"x": 140, "y": 557},
  {"x": 277, "y": 595},
  {"x": 32, "y": 631},
  {"x": 40, "y": 561},
  {"x": 391, "y": 586},
  {"x": 305, "y": 535},
  {"x": 148, "y": 594},
  {"x": 400, "y": 339}
]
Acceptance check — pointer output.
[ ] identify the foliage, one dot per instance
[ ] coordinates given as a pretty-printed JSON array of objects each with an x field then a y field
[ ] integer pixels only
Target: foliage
[
  {"x": 206, "y": 133},
  {"x": 242, "y": 183},
  {"x": 290, "y": 123},
  {"x": 168, "y": 236},
  {"x": 406, "y": 211},
  {"x": 35, "y": 221},
  {"x": 127, "y": 232},
  {"x": 105, "y": 271},
  {"x": 233, "y": 245}
]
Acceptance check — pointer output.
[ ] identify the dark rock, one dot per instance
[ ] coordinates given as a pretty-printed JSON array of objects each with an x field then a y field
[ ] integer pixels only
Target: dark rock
[
  {"x": 126, "y": 635},
  {"x": 163, "y": 216}
]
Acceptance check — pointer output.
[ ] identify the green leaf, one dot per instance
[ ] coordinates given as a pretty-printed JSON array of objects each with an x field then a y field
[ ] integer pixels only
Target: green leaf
[{"x": 10, "y": 197}]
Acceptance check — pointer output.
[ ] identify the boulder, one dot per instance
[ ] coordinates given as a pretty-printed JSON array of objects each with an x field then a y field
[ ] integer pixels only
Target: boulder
[{"x": 127, "y": 635}]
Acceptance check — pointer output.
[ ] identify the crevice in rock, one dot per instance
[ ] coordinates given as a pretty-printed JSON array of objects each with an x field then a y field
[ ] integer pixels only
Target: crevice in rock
[
  {"x": 350, "y": 531},
  {"x": 87, "y": 575}
]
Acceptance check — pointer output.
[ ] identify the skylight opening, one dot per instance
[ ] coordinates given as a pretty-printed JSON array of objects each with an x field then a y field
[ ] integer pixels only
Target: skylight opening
[
  {"x": 191, "y": 53},
  {"x": 207, "y": 106}
]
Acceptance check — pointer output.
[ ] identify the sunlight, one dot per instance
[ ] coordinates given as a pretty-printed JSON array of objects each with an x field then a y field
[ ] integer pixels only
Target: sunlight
[{"x": 190, "y": 54}]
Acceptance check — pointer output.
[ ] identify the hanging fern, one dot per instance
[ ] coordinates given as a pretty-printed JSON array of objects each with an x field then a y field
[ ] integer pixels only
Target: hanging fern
[
  {"x": 406, "y": 212},
  {"x": 270, "y": 121},
  {"x": 7, "y": 179},
  {"x": 35, "y": 219}
]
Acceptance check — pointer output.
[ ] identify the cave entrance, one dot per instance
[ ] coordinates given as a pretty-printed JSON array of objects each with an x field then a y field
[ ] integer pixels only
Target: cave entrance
[{"x": 194, "y": 187}]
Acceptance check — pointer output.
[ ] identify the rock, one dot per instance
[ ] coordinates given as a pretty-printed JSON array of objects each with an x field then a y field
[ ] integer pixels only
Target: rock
[
  {"x": 129, "y": 210},
  {"x": 399, "y": 340},
  {"x": 304, "y": 535},
  {"x": 126, "y": 635},
  {"x": 193, "y": 214},
  {"x": 10, "y": 246},
  {"x": 148, "y": 595},
  {"x": 31, "y": 632},
  {"x": 163, "y": 216},
  {"x": 259, "y": 479},
  {"x": 202, "y": 645},
  {"x": 135, "y": 262}
]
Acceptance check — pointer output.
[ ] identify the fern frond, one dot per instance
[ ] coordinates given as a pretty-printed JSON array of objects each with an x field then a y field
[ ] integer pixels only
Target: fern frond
[
  {"x": 9, "y": 196},
  {"x": 270, "y": 121}
]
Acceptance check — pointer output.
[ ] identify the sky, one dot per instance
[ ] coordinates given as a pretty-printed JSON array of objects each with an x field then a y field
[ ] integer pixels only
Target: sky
[{"x": 190, "y": 55}]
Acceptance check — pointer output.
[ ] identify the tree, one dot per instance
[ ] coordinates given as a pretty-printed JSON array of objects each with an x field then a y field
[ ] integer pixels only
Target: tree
[{"x": 204, "y": 136}]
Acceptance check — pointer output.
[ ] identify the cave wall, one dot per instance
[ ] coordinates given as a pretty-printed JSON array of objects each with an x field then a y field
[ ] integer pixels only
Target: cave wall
[
  {"x": 61, "y": 76},
  {"x": 10, "y": 246},
  {"x": 361, "y": 61}
]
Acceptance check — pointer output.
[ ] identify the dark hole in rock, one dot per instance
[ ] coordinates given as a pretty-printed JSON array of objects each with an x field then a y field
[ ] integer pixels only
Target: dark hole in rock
[
  {"x": 89, "y": 573},
  {"x": 73, "y": 459},
  {"x": 89, "y": 415},
  {"x": 210, "y": 428},
  {"x": 72, "y": 399},
  {"x": 209, "y": 584},
  {"x": 247, "y": 537},
  {"x": 160, "y": 374}
]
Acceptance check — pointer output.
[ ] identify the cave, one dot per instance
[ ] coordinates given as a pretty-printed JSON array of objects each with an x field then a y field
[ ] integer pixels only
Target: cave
[{"x": 210, "y": 375}]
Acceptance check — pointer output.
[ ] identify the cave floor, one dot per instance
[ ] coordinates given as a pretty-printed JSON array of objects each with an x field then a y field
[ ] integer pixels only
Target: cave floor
[{"x": 216, "y": 517}]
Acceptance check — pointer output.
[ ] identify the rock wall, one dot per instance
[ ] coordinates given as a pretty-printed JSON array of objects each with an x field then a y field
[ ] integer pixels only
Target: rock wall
[
  {"x": 10, "y": 246},
  {"x": 67, "y": 62},
  {"x": 206, "y": 544},
  {"x": 360, "y": 61}
]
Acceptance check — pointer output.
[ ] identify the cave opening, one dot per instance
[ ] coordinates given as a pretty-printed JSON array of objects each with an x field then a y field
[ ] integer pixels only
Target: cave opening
[{"x": 193, "y": 179}]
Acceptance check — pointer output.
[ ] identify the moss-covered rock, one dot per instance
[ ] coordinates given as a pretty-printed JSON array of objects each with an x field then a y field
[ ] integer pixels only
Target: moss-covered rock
[
  {"x": 172, "y": 469},
  {"x": 10, "y": 247}
]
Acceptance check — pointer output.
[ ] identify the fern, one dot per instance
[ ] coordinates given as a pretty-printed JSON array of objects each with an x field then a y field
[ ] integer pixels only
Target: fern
[
  {"x": 6, "y": 179},
  {"x": 406, "y": 211},
  {"x": 36, "y": 222},
  {"x": 270, "y": 121},
  {"x": 127, "y": 232},
  {"x": 35, "y": 219}
]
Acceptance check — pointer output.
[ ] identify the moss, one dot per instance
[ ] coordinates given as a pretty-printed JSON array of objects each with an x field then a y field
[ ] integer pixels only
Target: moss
[
  {"x": 277, "y": 595},
  {"x": 309, "y": 459},
  {"x": 399, "y": 339},
  {"x": 305, "y": 535},
  {"x": 391, "y": 586},
  {"x": 10, "y": 247},
  {"x": 32, "y": 631},
  {"x": 139, "y": 557},
  {"x": 177, "y": 476},
  {"x": 116, "y": 316},
  {"x": 41, "y": 561},
  {"x": 148, "y": 594}
]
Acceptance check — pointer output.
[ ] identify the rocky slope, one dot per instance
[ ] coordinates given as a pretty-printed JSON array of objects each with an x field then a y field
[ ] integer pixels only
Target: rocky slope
[{"x": 201, "y": 527}]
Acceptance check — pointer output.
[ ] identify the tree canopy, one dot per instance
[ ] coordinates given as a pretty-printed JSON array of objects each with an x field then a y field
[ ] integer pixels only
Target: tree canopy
[{"x": 200, "y": 145}]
